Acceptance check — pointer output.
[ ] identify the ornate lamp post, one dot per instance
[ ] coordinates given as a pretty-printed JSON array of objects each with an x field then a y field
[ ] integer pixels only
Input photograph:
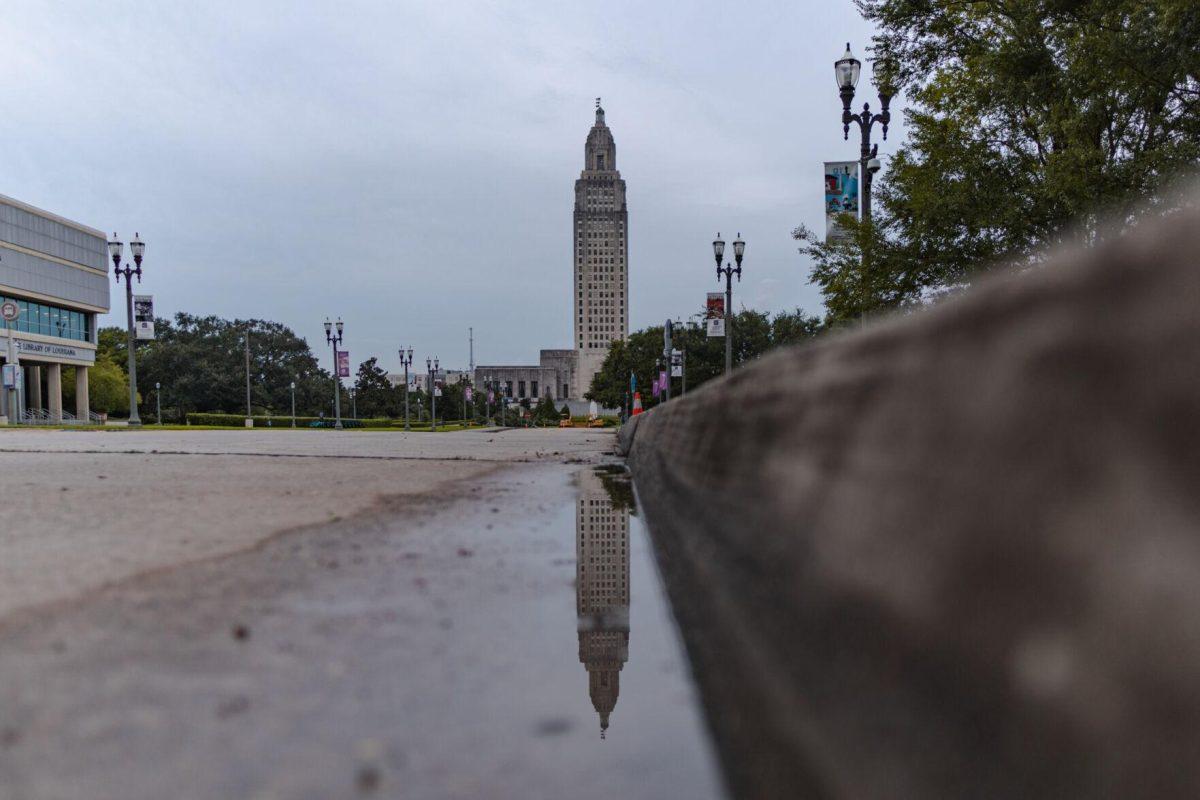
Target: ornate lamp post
[
  {"x": 353, "y": 402},
  {"x": 293, "y": 404},
  {"x": 432, "y": 367},
  {"x": 739, "y": 250},
  {"x": 406, "y": 362},
  {"x": 137, "y": 248},
  {"x": 334, "y": 340},
  {"x": 848, "y": 69},
  {"x": 158, "y": 400}
]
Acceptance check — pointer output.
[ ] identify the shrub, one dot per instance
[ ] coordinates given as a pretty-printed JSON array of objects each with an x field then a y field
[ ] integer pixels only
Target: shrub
[{"x": 238, "y": 420}]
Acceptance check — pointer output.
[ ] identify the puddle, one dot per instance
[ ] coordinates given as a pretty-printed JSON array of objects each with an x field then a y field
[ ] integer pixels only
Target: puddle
[
  {"x": 529, "y": 651},
  {"x": 646, "y": 718}
]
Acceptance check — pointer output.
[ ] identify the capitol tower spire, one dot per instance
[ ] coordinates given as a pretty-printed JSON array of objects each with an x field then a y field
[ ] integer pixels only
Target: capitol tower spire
[{"x": 601, "y": 263}]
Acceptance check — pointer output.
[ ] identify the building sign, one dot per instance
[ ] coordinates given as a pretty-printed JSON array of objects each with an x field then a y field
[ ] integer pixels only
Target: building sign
[
  {"x": 343, "y": 363},
  {"x": 676, "y": 364},
  {"x": 841, "y": 195},
  {"x": 143, "y": 316},
  {"x": 714, "y": 312},
  {"x": 54, "y": 350},
  {"x": 10, "y": 311}
]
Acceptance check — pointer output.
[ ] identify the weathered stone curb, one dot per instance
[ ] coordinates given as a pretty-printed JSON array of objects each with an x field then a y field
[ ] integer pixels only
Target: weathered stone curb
[{"x": 954, "y": 554}]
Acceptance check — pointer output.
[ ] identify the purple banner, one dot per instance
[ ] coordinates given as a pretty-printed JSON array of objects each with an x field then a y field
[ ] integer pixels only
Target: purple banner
[{"x": 343, "y": 363}]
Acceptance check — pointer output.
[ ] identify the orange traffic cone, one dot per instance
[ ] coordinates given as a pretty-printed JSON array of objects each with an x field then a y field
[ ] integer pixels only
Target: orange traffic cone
[{"x": 637, "y": 403}]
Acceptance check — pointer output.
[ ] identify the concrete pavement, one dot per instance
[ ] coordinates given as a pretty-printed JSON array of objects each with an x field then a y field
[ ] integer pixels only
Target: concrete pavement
[
  {"x": 85, "y": 508},
  {"x": 195, "y": 624}
]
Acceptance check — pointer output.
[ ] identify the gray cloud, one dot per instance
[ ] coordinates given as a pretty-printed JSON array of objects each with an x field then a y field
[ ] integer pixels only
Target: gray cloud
[{"x": 410, "y": 166}]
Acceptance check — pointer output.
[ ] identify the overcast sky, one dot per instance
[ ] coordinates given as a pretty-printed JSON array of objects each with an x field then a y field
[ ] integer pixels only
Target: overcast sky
[{"x": 411, "y": 166}]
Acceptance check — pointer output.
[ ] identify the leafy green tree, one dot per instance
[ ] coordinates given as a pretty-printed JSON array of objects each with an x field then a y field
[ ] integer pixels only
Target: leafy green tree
[
  {"x": 200, "y": 362},
  {"x": 754, "y": 333},
  {"x": 544, "y": 413},
  {"x": 108, "y": 388},
  {"x": 375, "y": 394},
  {"x": 1030, "y": 122}
]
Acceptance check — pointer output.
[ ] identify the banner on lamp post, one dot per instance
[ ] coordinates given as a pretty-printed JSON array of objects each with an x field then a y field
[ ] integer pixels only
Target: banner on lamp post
[
  {"x": 841, "y": 195},
  {"x": 714, "y": 313},
  {"x": 343, "y": 363},
  {"x": 143, "y": 316}
]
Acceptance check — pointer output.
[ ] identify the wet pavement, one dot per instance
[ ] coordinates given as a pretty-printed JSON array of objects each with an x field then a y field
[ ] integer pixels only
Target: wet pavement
[{"x": 505, "y": 636}]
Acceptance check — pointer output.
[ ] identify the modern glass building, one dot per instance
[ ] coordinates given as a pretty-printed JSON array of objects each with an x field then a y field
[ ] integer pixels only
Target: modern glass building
[{"x": 56, "y": 271}]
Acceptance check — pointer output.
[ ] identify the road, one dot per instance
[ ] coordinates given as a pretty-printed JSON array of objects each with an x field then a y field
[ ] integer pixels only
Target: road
[{"x": 296, "y": 614}]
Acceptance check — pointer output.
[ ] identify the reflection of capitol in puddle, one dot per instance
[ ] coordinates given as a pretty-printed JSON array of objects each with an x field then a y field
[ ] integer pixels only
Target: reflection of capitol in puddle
[{"x": 602, "y": 591}]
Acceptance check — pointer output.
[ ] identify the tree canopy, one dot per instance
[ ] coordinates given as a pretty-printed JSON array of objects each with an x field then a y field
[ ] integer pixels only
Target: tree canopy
[
  {"x": 754, "y": 333},
  {"x": 200, "y": 363},
  {"x": 1030, "y": 122}
]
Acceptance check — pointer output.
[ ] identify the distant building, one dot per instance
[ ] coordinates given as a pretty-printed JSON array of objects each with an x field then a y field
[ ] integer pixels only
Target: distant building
[
  {"x": 600, "y": 294},
  {"x": 56, "y": 271},
  {"x": 601, "y": 255}
]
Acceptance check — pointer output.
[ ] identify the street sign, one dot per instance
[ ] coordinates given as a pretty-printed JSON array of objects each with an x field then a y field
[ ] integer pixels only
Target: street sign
[
  {"x": 10, "y": 311},
  {"x": 716, "y": 327},
  {"x": 12, "y": 376},
  {"x": 676, "y": 364}
]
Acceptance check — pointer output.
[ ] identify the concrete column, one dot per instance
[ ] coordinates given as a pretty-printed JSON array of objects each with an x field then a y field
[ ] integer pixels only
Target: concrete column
[
  {"x": 54, "y": 391},
  {"x": 81, "y": 394},
  {"x": 34, "y": 401}
]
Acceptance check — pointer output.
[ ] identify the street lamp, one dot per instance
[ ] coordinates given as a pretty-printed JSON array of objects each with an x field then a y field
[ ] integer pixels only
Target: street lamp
[
  {"x": 293, "y": 404},
  {"x": 137, "y": 248},
  {"x": 432, "y": 368},
  {"x": 406, "y": 362},
  {"x": 158, "y": 401},
  {"x": 353, "y": 402},
  {"x": 847, "y": 69},
  {"x": 334, "y": 340},
  {"x": 739, "y": 250}
]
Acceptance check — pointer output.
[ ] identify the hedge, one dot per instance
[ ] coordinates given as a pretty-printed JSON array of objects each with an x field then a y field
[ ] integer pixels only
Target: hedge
[{"x": 239, "y": 420}]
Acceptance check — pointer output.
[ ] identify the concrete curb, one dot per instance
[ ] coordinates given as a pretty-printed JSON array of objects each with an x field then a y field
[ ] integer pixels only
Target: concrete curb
[{"x": 955, "y": 553}]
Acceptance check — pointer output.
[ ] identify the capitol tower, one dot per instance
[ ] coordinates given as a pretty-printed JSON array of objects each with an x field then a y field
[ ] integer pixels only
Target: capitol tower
[{"x": 601, "y": 255}]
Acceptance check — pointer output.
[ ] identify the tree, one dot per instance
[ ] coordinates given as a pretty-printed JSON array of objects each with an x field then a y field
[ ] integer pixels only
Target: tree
[
  {"x": 374, "y": 392},
  {"x": 545, "y": 413},
  {"x": 1030, "y": 122},
  {"x": 200, "y": 362},
  {"x": 108, "y": 388},
  {"x": 754, "y": 333}
]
